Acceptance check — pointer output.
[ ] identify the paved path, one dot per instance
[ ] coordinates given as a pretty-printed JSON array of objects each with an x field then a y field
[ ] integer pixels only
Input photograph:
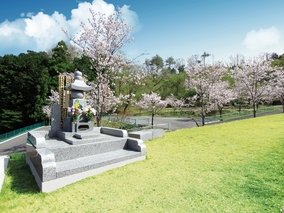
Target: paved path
[
  {"x": 164, "y": 122},
  {"x": 181, "y": 123},
  {"x": 16, "y": 144}
]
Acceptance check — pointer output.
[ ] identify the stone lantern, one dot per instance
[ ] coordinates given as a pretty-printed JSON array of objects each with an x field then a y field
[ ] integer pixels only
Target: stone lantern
[{"x": 77, "y": 89}]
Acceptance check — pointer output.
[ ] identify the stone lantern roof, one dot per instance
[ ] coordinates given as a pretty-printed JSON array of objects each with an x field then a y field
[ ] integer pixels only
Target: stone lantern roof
[{"x": 78, "y": 83}]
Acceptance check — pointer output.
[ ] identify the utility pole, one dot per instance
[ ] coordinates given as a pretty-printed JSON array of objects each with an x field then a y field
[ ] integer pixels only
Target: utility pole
[{"x": 205, "y": 54}]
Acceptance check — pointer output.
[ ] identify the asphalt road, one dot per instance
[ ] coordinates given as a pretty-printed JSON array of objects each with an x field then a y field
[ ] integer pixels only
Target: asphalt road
[
  {"x": 169, "y": 123},
  {"x": 18, "y": 144}
]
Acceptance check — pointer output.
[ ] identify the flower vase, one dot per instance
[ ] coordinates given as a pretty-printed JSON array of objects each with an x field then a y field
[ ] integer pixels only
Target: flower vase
[{"x": 74, "y": 126}]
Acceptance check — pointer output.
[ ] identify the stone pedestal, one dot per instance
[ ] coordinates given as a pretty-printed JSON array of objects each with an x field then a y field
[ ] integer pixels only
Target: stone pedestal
[{"x": 82, "y": 126}]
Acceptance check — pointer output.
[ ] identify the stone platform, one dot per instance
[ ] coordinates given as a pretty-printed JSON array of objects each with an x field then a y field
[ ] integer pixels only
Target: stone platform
[{"x": 57, "y": 162}]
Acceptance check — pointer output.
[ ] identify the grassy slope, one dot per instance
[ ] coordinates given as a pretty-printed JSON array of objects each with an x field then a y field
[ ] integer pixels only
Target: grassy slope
[{"x": 232, "y": 167}]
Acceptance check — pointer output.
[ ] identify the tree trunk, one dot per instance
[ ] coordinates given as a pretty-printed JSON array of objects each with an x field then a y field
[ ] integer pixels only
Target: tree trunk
[
  {"x": 254, "y": 109},
  {"x": 99, "y": 119},
  {"x": 203, "y": 119},
  {"x": 195, "y": 122},
  {"x": 202, "y": 114},
  {"x": 220, "y": 111},
  {"x": 152, "y": 120},
  {"x": 125, "y": 108}
]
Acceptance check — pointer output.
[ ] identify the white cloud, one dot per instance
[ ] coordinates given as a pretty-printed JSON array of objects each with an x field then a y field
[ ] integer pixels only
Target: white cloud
[
  {"x": 40, "y": 32},
  {"x": 130, "y": 17},
  {"x": 29, "y": 14},
  {"x": 262, "y": 39},
  {"x": 45, "y": 30},
  {"x": 82, "y": 13}
]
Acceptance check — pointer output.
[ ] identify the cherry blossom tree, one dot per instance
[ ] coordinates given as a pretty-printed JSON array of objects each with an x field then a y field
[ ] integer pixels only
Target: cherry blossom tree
[
  {"x": 277, "y": 85},
  {"x": 102, "y": 100},
  {"x": 52, "y": 99},
  {"x": 221, "y": 95},
  {"x": 152, "y": 103},
  {"x": 176, "y": 103},
  {"x": 101, "y": 40},
  {"x": 203, "y": 79},
  {"x": 47, "y": 110},
  {"x": 252, "y": 79}
]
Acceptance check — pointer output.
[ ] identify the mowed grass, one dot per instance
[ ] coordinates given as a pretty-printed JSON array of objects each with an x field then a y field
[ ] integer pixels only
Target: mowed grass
[{"x": 229, "y": 167}]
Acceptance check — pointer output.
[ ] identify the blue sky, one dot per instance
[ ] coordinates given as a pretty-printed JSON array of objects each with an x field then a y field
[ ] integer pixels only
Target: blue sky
[{"x": 180, "y": 28}]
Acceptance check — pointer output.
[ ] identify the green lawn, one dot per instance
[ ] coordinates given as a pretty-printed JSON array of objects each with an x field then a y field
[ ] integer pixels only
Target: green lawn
[{"x": 229, "y": 167}]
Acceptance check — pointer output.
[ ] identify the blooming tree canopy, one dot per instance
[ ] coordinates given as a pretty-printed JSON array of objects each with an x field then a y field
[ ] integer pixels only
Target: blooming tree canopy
[
  {"x": 277, "y": 85},
  {"x": 102, "y": 99},
  {"x": 205, "y": 80},
  {"x": 152, "y": 103},
  {"x": 252, "y": 79},
  {"x": 101, "y": 40},
  {"x": 221, "y": 95},
  {"x": 52, "y": 99},
  {"x": 176, "y": 103}
]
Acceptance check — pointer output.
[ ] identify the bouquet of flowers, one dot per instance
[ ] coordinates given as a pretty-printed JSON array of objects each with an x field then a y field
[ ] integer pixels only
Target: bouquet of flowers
[
  {"x": 75, "y": 110},
  {"x": 90, "y": 112}
]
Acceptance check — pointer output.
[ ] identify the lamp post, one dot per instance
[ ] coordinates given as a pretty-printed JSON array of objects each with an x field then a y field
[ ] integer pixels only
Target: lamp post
[{"x": 204, "y": 56}]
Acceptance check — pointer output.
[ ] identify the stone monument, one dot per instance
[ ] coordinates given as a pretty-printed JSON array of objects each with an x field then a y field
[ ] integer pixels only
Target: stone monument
[
  {"x": 77, "y": 104},
  {"x": 60, "y": 157}
]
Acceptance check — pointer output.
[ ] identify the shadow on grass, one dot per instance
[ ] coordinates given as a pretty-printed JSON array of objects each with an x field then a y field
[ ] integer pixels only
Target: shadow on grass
[{"x": 22, "y": 180}]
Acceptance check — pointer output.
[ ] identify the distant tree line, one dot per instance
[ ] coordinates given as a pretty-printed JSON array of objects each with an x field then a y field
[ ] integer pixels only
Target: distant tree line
[{"x": 28, "y": 79}]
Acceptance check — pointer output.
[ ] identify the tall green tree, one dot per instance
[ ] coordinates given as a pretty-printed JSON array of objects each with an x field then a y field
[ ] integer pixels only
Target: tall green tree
[
  {"x": 157, "y": 75},
  {"x": 170, "y": 61},
  {"x": 61, "y": 61},
  {"x": 11, "y": 98},
  {"x": 129, "y": 83},
  {"x": 175, "y": 86},
  {"x": 24, "y": 86},
  {"x": 277, "y": 60}
]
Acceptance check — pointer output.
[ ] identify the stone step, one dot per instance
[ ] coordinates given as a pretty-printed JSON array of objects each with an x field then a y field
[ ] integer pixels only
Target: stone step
[
  {"x": 82, "y": 164},
  {"x": 56, "y": 162},
  {"x": 66, "y": 151},
  {"x": 78, "y": 137}
]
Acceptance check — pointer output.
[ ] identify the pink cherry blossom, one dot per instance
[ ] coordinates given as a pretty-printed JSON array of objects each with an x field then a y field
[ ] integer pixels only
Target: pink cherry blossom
[
  {"x": 252, "y": 79},
  {"x": 206, "y": 80},
  {"x": 152, "y": 103}
]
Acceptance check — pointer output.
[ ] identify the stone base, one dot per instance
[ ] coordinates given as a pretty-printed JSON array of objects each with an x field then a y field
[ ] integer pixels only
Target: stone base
[
  {"x": 56, "y": 163},
  {"x": 147, "y": 134},
  {"x": 52, "y": 185}
]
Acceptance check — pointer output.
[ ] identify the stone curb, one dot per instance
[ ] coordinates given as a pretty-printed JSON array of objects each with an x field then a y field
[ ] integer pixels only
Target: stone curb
[{"x": 4, "y": 160}]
